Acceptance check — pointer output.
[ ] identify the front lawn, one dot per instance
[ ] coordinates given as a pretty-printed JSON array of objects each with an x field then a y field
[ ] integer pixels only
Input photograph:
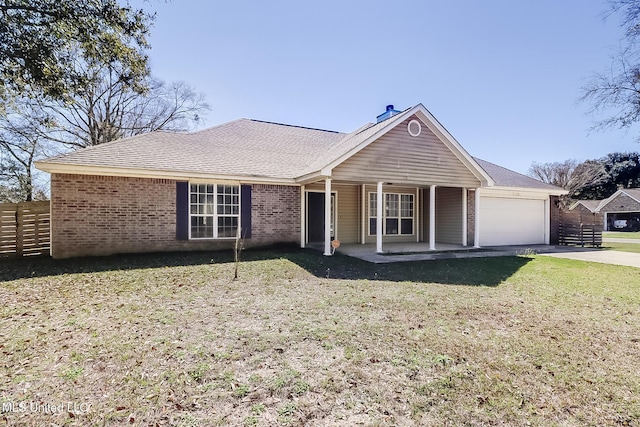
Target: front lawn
[
  {"x": 302, "y": 339},
  {"x": 621, "y": 234},
  {"x": 623, "y": 247}
]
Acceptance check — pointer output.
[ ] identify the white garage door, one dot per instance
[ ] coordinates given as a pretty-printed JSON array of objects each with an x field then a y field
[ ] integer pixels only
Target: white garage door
[{"x": 511, "y": 221}]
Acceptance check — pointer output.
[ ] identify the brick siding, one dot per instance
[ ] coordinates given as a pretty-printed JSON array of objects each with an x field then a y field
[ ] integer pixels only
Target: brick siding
[
  {"x": 471, "y": 216},
  {"x": 275, "y": 213},
  {"x": 622, "y": 203},
  {"x": 100, "y": 215},
  {"x": 555, "y": 220}
]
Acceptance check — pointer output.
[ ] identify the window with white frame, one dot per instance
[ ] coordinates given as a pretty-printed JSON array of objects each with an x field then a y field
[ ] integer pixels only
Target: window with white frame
[
  {"x": 398, "y": 213},
  {"x": 214, "y": 210},
  {"x": 373, "y": 213}
]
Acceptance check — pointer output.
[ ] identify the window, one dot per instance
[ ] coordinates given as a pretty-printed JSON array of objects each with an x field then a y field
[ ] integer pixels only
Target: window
[
  {"x": 397, "y": 211},
  {"x": 214, "y": 210},
  {"x": 391, "y": 212},
  {"x": 373, "y": 213},
  {"x": 406, "y": 214}
]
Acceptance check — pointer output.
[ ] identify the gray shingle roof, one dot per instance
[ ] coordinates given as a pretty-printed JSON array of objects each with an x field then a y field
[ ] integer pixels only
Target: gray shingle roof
[
  {"x": 592, "y": 205},
  {"x": 504, "y": 177},
  {"x": 242, "y": 147},
  {"x": 633, "y": 192},
  {"x": 597, "y": 205},
  {"x": 250, "y": 148}
]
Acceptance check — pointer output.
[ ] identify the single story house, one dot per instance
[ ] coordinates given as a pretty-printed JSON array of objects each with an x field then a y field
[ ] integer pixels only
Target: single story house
[
  {"x": 621, "y": 211},
  {"x": 401, "y": 179}
]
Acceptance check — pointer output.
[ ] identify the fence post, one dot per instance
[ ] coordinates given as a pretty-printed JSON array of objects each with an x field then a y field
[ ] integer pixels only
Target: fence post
[{"x": 19, "y": 229}]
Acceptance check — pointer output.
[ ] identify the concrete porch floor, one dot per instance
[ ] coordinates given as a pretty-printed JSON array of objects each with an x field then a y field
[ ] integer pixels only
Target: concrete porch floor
[{"x": 403, "y": 252}]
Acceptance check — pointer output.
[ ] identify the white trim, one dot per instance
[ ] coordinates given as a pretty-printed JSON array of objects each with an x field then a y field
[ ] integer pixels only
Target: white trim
[
  {"x": 400, "y": 218},
  {"x": 327, "y": 217},
  {"x": 414, "y": 122},
  {"x": 303, "y": 216},
  {"x": 364, "y": 214},
  {"x": 540, "y": 191},
  {"x": 379, "y": 215},
  {"x": 215, "y": 215},
  {"x": 157, "y": 174},
  {"x": 334, "y": 194},
  {"x": 465, "y": 218},
  {"x": 476, "y": 225},
  {"x": 432, "y": 217},
  {"x": 416, "y": 224}
]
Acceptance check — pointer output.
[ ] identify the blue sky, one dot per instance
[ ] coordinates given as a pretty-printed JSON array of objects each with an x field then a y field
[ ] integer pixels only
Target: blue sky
[{"x": 503, "y": 76}]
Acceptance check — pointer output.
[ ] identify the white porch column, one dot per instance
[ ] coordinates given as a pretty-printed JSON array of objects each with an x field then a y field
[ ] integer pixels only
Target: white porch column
[
  {"x": 327, "y": 216},
  {"x": 464, "y": 217},
  {"x": 416, "y": 215},
  {"x": 303, "y": 217},
  {"x": 432, "y": 217},
  {"x": 365, "y": 209},
  {"x": 379, "y": 219},
  {"x": 476, "y": 226},
  {"x": 547, "y": 221}
]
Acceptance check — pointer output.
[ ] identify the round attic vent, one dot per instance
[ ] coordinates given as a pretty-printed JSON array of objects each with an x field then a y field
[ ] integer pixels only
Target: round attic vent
[{"x": 414, "y": 128}]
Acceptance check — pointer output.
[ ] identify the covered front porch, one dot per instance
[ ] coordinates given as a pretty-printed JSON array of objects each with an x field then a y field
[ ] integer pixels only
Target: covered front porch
[
  {"x": 419, "y": 218},
  {"x": 408, "y": 252}
]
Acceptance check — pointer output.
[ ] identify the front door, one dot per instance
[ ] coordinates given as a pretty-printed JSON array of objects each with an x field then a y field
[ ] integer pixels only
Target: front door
[{"x": 315, "y": 217}]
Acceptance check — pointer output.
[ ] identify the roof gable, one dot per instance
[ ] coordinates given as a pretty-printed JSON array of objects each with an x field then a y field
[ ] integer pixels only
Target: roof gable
[
  {"x": 592, "y": 206},
  {"x": 364, "y": 137},
  {"x": 400, "y": 158},
  {"x": 633, "y": 193}
]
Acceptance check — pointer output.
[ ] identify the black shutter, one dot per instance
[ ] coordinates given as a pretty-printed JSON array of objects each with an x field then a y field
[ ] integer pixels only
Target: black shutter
[
  {"x": 182, "y": 210},
  {"x": 245, "y": 211}
]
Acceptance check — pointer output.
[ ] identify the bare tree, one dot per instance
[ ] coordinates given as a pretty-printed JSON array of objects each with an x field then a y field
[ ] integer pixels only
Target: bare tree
[
  {"x": 616, "y": 93},
  {"x": 570, "y": 175},
  {"x": 21, "y": 143},
  {"x": 110, "y": 108}
]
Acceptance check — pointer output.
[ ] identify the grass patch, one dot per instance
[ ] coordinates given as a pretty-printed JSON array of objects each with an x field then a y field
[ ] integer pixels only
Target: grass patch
[
  {"x": 172, "y": 340},
  {"x": 621, "y": 234},
  {"x": 623, "y": 247}
]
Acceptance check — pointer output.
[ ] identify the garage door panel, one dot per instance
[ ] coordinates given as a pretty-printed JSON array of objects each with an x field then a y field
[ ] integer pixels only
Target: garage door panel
[{"x": 506, "y": 221}]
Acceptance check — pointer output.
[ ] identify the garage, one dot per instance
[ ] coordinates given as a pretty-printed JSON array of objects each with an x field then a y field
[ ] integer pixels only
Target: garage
[{"x": 509, "y": 221}]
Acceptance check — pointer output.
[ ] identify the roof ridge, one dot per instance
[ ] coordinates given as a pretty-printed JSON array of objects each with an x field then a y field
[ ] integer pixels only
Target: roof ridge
[{"x": 294, "y": 126}]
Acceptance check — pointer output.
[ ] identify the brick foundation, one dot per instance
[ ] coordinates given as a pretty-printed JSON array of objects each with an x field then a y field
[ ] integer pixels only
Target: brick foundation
[{"x": 100, "y": 215}]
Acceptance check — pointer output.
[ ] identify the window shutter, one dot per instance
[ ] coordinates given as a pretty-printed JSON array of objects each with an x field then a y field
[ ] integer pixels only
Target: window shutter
[
  {"x": 245, "y": 211},
  {"x": 182, "y": 210}
]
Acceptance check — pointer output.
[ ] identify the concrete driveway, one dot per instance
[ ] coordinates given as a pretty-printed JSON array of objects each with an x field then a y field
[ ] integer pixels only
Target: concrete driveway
[{"x": 601, "y": 256}]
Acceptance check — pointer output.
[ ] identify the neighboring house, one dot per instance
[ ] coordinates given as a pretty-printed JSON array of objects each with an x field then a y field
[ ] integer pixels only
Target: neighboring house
[
  {"x": 621, "y": 211},
  {"x": 402, "y": 179}
]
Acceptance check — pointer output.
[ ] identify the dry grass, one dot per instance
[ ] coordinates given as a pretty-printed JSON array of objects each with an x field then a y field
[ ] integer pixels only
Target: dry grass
[{"x": 172, "y": 340}]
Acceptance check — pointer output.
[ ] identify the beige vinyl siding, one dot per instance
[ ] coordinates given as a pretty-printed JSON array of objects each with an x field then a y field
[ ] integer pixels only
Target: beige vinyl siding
[
  {"x": 449, "y": 215},
  {"x": 348, "y": 199},
  {"x": 399, "y": 158}
]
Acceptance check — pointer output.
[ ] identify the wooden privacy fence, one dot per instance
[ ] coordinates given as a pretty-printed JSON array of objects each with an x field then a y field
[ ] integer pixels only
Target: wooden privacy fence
[
  {"x": 24, "y": 229},
  {"x": 578, "y": 228}
]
